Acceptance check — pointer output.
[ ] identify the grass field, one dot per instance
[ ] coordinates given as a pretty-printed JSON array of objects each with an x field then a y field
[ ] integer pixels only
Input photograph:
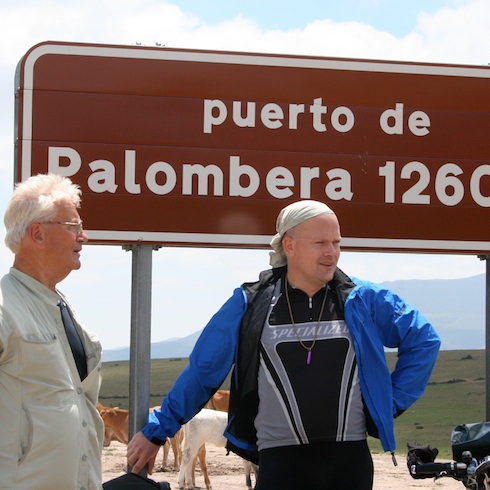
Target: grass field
[{"x": 455, "y": 395}]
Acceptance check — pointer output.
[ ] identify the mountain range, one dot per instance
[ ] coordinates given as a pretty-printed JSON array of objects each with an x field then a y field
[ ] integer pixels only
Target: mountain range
[{"x": 455, "y": 307}]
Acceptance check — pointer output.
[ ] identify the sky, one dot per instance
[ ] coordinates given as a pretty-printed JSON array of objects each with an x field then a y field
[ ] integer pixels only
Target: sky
[{"x": 190, "y": 284}]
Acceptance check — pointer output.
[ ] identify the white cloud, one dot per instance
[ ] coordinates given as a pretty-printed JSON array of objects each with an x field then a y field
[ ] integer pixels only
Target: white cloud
[{"x": 458, "y": 34}]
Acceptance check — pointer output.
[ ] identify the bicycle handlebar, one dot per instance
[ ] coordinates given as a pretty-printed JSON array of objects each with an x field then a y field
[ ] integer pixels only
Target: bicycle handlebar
[{"x": 437, "y": 468}]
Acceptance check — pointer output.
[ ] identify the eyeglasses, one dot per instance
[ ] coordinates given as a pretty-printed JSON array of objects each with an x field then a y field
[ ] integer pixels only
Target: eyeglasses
[{"x": 78, "y": 225}]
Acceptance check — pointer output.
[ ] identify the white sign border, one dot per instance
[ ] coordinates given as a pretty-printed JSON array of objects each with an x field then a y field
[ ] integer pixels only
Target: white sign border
[{"x": 116, "y": 51}]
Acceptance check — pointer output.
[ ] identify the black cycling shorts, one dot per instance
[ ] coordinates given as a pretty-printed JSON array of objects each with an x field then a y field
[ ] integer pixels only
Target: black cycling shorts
[{"x": 319, "y": 466}]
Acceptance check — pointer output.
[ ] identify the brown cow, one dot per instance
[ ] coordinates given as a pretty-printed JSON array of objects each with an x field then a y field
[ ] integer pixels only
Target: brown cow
[
  {"x": 176, "y": 443},
  {"x": 220, "y": 401},
  {"x": 108, "y": 435},
  {"x": 116, "y": 421},
  {"x": 116, "y": 427}
]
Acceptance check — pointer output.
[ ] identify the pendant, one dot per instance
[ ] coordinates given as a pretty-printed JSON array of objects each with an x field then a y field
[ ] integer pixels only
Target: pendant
[{"x": 308, "y": 358}]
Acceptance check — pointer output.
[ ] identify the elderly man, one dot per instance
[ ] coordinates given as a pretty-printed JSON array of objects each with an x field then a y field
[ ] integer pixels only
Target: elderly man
[
  {"x": 310, "y": 377},
  {"x": 52, "y": 433}
]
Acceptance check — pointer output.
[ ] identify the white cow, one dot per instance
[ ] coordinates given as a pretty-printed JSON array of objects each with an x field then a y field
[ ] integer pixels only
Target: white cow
[
  {"x": 249, "y": 469},
  {"x": 207, "y": 426}
]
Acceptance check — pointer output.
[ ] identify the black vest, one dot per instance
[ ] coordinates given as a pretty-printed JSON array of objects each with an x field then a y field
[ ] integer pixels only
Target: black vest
[{"x": 244, "y": 399}]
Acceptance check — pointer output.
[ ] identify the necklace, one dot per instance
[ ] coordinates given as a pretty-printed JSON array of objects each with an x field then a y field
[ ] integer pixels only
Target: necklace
[{"x": 308, "y": 348}]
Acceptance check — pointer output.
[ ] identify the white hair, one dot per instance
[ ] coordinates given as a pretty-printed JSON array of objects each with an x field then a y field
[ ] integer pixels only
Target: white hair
[{"x": 35, "y": 200}]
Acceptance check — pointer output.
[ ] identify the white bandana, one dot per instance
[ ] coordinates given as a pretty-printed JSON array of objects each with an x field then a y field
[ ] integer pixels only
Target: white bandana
[{"x": 288, "y": 218}]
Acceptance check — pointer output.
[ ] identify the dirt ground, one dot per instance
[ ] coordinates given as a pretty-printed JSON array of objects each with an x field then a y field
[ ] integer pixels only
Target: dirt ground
[{"x": 226, "y": 472}]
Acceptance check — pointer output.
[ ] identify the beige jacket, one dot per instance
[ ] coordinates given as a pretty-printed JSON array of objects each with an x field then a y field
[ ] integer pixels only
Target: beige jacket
[{"x": 51, "y": 431}]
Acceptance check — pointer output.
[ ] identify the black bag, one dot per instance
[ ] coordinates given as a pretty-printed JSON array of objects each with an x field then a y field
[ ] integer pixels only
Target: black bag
[
  {"x": 471, "y": 437},
  {"x": 420, "y": 454},
  {"x": 132, "y": 481}
]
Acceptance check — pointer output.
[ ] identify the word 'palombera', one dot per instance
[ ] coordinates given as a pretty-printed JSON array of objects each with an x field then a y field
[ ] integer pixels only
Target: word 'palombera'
[
  {"x": 242, "y": 180},
  {"x": 161, "y": 177},
  {"x": 342, "y": 119}
]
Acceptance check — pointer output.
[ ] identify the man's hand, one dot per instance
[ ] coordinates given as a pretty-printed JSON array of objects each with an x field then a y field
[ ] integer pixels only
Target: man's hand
[{"x": 140, "y": 452}]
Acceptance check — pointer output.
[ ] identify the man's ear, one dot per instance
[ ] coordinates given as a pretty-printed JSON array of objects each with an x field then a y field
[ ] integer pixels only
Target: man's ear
[
  {"x": 36, "y": 233},
  {"x": 287, "y": 244}
]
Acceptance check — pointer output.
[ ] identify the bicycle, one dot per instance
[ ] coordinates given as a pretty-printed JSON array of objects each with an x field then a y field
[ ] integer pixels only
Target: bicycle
[{"x": 471, "y": 454}]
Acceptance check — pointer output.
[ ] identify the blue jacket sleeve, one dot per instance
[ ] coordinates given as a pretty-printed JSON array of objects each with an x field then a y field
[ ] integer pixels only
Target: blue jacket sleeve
[
  {"x": 378, "y": 318},
  {"x": 209, "y": 364},
  {"x": 400, "y": 325}
]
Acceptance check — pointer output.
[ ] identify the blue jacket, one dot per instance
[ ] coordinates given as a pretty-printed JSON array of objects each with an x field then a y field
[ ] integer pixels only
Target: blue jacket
[{"x": 377, "y": 319}]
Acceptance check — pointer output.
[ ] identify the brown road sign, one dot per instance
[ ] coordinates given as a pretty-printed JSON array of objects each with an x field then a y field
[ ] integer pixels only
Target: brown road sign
[{"x": 203, "y": 148}]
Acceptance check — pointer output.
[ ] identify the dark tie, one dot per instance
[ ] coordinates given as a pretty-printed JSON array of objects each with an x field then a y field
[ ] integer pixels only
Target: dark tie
[{"x": 74, "y": 340}]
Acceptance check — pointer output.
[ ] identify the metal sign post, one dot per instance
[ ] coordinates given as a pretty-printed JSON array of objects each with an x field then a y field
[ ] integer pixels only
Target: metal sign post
[
  {"x": 140, "y": 350},
  {"x": 486, "y": 258}
]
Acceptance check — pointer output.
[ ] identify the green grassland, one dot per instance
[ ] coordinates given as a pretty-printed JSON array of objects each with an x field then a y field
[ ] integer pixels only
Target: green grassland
[{"x": 455, "y": 395}]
